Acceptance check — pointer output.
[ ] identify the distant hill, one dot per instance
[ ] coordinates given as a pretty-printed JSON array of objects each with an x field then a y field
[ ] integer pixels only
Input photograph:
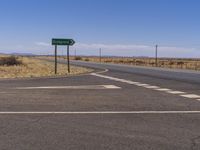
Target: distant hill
[{"x": 22, "y": 54}]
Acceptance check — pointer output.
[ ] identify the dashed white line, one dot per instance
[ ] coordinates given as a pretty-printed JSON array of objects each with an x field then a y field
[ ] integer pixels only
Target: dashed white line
[
  {"x": 135, "y": 83},
  {"x": 170, "y": 91},
  {"x": 143, "y": 85},
  {"x": 152, "y": 87},
  {"x": 163, "y": 89},
  {"x": 175, "y": 92},
  {"x": 191, "y": 96}
]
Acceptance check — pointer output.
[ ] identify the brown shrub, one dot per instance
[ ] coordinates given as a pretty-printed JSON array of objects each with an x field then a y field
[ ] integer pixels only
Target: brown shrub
[
  {"x": 78, "y": 58},
  {"x": 87, "y": 59},
  {"x": 10, "y": 61},
  {"x": 139, "y": 62}
]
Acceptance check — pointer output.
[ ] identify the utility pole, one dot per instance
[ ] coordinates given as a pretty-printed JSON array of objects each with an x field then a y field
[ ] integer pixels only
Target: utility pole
[
  {"x": 156, "y": 56},
  {"x": 100, "y": 54}
]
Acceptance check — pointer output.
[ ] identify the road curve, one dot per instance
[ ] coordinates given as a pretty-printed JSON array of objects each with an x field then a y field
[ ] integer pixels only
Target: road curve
[{"x": 171, "y": 74}]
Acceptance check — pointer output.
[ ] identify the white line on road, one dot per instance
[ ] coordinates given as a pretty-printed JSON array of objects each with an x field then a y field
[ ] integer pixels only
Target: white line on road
[
  {"x": 116, "y": 79},
  {"x": 175, "y": 92},
  {"x": 111, "y": 87},
  {"x": 104, "y": 71},
  {"x": 152, "y": 87},
  {"x": 143, "y": 85},
  {"x": 103, "y": 112},
  {"x": 192, "y": 96},
  {"x": 72, "y": 87},
  {"x": 163, "y": 89}
]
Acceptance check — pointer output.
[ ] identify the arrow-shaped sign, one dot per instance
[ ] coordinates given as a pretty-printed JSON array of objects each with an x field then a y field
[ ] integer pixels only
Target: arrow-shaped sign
[
  {"x": 69, "y": 42},
  {"x": 72, "y": 42}
]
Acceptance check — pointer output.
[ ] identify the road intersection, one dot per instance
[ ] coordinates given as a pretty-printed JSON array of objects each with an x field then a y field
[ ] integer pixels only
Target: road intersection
[{"x": 115, "y": 107}]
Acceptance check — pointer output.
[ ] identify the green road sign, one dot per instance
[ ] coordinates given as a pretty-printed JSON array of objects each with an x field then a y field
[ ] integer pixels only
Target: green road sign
[{"x": 69, "y": 42}]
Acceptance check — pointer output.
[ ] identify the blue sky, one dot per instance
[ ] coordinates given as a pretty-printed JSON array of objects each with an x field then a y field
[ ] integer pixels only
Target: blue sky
[{"x": 119, "y": 27}]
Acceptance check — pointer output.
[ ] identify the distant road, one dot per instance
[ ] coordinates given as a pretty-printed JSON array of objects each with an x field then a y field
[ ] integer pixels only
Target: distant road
[{"x": 176, "y": 74}]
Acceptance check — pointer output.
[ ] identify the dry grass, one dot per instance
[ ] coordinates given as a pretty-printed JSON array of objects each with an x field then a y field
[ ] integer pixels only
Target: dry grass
[
  {"x": 32, "y": 67},
  {"x": 192, "y": 64}
]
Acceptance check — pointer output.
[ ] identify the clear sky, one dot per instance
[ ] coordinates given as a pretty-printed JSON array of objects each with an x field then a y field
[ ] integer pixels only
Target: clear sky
[{"x": 119, "y": 27}]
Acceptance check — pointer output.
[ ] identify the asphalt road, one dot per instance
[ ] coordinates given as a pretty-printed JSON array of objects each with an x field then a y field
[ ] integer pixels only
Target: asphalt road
[{"x": 122, "y": 108}]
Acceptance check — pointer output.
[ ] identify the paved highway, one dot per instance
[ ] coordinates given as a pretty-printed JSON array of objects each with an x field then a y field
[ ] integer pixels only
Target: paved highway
[{"x": 116, "y": 107}]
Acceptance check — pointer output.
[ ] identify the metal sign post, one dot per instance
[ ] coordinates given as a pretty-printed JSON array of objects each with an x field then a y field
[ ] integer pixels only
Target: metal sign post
[
  {"x": 68, "y": 59},
  {"x": 68, "y": 42},
  {"x": 55, "y": 59}
]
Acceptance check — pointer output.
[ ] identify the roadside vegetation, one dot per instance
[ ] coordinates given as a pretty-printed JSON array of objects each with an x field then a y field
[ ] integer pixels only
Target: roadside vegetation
[
  {"x": 18, "y": 67},
  {"x": 77, "y": 58},
  {"x": 10, "y": 61}
]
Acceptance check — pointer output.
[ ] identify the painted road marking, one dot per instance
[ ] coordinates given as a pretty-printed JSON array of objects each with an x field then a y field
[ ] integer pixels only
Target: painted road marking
[
  {"x": 152, "y": 87},
  {"x": 116, "y": 79},
  {"x": 135, "y": 83},
  {"x": 72, "y": 87},
  {"x": 192, "y": 96},
  {"x": 163, "y": 89},
  {"x": 175, "y": 92},
  {"x": 100, "y": 72},
  {"x": 111, "y": 87},
  {"x": 101, "y": 112},
  {"x": 144, "y": 85}
]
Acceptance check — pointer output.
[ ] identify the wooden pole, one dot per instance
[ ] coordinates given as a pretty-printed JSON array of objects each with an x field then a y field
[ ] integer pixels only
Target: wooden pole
[
  {"x": 156, "y": 59},
  {"x": 100, "y": 54}
]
